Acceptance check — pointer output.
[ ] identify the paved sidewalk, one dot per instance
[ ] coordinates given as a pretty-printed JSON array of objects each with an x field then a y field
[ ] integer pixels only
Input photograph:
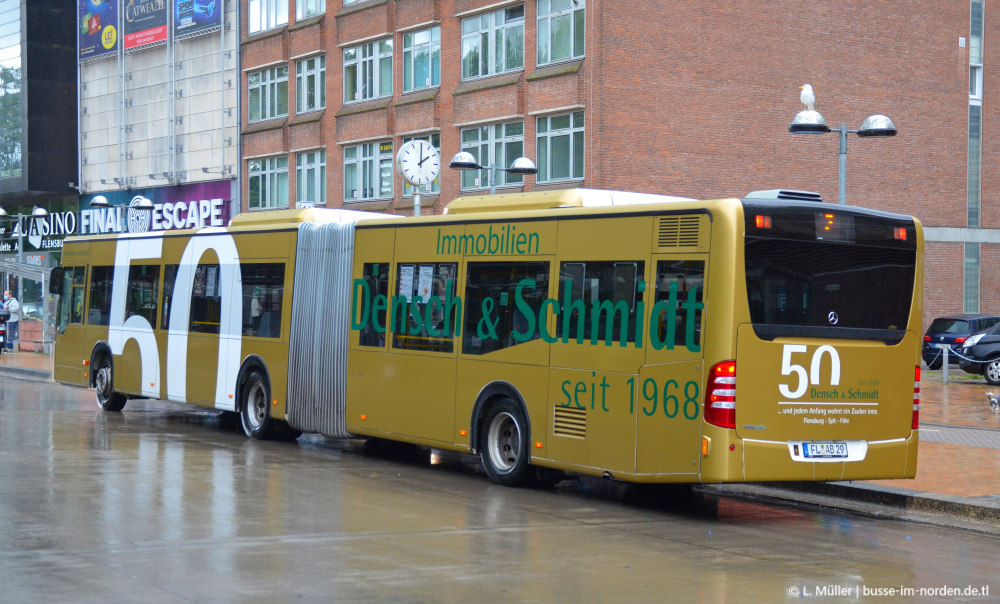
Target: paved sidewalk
[{"x": 958, "y": 472}]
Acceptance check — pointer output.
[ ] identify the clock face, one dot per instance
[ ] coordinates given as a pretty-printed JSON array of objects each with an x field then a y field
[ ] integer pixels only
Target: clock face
[{"x": 419, "y": 162}]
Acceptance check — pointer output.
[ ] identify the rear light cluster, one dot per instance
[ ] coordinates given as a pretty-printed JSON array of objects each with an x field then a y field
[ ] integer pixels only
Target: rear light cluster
[
  {"x": 720, "y": 395},
  {"x": 916, "y": 399},
  {"x": 959, "y": 339}
]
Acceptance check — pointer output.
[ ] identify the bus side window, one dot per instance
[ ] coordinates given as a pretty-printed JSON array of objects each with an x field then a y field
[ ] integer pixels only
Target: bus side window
[
  {"x": 686, "y": 276},
  {"x": 418, "y": 310},
  {"x": 206, "y": 301},
  {"x": 376, "y": 275},
  {"x": 101, "y": 279},
  {"x": 599, "y": 293},
  {"x": 263, "y": 293},
  {"x": 76, "y": 308},
  {"x": 143, "y": 292},
  {"x": 169, "y": 277},
  {"x": 493, "y": 287},
  {"x": 67, "y": 302}
]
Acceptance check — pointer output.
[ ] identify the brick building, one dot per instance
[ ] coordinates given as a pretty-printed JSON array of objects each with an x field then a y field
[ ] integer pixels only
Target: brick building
[{"x": 682, "y": 98}]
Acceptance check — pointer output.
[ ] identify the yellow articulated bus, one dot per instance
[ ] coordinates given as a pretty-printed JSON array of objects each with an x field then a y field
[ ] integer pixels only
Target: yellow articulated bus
[{"x": 638, "y": 337}]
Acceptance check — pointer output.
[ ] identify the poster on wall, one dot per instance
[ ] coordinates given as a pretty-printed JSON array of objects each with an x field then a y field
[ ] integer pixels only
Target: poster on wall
[
  {"x": 196, "y": 16},
  {"x": 145, "y": 22},
  {"x": 97, "y": 25}
]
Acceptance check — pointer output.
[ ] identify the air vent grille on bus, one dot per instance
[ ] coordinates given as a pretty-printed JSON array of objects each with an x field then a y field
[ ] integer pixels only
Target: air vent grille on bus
[
  {"x": 570, "y": 421},
  {"x": 679, "y": 231},
  {"x": 785, "y": 194}
]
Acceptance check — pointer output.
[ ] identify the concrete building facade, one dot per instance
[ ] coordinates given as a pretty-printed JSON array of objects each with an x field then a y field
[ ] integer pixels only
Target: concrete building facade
[
  {"x": 688, "y": 99},
  {"x": 159, "y": 108}
]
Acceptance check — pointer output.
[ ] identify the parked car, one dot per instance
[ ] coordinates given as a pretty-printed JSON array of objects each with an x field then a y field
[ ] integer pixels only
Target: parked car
[
  {"x": 983, "y": 352},
  {"x": 952, "y": 332}
]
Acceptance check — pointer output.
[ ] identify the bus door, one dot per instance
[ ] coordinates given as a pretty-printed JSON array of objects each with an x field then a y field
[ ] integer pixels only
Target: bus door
[
  {"x": 668, "y": 392},
  {"x": 70, "y": 354},
  {"x": 596, "y": 355}
]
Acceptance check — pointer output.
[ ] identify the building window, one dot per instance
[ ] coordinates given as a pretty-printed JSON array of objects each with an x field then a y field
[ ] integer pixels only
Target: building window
[
  {"x": 493, "y": 43},
  {"x": 976, "y": 83},
  {"x": 560, "y": 147},
  {"x": 368, "y": 71},
  {"x": 970, "y": 302},
  {"x": 560, "y": 30},
  {"x": 268, "y": 183},
  {"x": 310, "y": 84},
  {"x": 266, "y": 14},
  {"x": 310, "y": 177},
  {"x": 497, "y": 144},
  {"x": 368, "y": 171},
  {"x": 422, "y": 59},
  {"x": 268, "y": 92},
  {"x": 433, "y": 187},
  {"x": 309, "y": 8}
]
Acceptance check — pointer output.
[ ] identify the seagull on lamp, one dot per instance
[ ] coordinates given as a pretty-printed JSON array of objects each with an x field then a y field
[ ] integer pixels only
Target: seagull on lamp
[
  {"x": 807, "y": 97},
  {"x": 994, "y": 402}
]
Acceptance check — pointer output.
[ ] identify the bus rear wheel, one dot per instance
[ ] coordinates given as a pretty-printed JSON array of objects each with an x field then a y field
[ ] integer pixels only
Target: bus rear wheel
[
  {"x": 255, "y": 412},
  {"x": 107, "y": 398},
  {"x": 504, "y": 449}
]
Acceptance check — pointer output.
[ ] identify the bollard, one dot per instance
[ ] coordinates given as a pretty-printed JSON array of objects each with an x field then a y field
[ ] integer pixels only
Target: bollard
[{"x": 945, "y": 364}]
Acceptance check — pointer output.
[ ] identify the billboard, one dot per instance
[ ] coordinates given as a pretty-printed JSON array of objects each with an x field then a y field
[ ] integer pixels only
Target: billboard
[
  {"x": 177, "y": 207},
  {"x": 145, "y": 22},
  {"x": 97, "y": 27},
  {"x": 196, "y": 16}
]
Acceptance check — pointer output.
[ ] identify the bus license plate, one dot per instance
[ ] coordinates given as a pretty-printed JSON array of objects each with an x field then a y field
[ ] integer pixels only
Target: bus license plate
[{"x": 825, "y": 449}]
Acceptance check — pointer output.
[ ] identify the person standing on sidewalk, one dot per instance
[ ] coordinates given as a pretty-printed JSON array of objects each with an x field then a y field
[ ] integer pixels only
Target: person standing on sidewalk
[{"x": 10, "y": 303}]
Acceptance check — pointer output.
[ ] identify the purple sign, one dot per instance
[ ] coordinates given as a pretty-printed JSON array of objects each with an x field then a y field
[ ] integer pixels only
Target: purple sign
[{"x": 178, "y": 207}]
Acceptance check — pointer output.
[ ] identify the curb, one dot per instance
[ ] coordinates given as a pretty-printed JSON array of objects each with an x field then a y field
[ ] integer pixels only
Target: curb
[
  {"x": 979, "y": 512},
  {"x": 14, "y": 371}
]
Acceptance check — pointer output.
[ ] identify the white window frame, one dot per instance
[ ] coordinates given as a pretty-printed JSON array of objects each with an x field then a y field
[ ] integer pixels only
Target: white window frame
[
  {"x": 355, "y": 57},
  {"x": 310, "y": 73},
  {"x": 567, "y": 11},
  {"x": 496, "y": 144},
  {"x": 543, "y": 146},
  {"x": 307, "y": 9},
  {"x": 268, "y": 86},
  {"x": 491, "y": 29},
  {"x": 310, "y": 169},
  {"x": 373, "y": 169},
  {"x": 433, "y": 187},
  {"x": 426, "y": 40},
  {"x": 263, "y": 15},
  {"x": 976, "y": 84},
  {"x": 268, "y": 171}
]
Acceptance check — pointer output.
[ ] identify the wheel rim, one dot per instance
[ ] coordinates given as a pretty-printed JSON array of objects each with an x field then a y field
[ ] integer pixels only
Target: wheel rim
[
  {"x": 103, "y": 382},
  {"x": 256, "y": 404},
  {"x": 993, "y": 370},
  {"x": 504, "y": 442}
]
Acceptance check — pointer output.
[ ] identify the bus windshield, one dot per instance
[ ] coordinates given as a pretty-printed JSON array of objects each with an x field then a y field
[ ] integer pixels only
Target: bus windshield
[{"x": 829, "y": 273}]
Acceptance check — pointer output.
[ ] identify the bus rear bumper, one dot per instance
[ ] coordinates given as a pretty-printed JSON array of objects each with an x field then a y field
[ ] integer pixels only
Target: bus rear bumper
[{"x": 772, "y": 461}]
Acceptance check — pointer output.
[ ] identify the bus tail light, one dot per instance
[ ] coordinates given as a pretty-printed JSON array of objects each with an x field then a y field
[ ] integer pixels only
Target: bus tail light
[
  {"x": 916, "y": 399},
  {"x": 720, "y": 395}
]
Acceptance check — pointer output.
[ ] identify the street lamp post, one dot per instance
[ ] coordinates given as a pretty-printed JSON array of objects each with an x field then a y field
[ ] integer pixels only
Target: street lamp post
[
  {"x": 813, "y": 122},
  {"x": 463, "y": 160}
]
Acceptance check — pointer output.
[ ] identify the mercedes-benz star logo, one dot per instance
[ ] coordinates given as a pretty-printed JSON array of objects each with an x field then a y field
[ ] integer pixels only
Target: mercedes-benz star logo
[{"x": 833, "y": 318}]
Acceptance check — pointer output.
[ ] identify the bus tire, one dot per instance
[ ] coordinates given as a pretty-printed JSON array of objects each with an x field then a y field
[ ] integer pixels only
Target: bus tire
[
  {"x": 255, "y": 410},
  {"x": 504, "y": 451},
  {"x": 107, "y": 398},
  {"x": 991, "y": 371}
]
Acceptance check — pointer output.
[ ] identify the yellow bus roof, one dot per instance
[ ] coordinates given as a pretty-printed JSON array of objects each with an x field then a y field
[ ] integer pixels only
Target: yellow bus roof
[{"x": 559, "y": 198}]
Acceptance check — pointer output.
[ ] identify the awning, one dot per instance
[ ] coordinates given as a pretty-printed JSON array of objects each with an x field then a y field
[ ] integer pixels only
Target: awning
[{"x": 26, "y": 271}]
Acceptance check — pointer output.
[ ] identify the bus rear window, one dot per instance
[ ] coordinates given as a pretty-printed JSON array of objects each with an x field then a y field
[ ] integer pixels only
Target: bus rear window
[{"x": 834, "y": 273}]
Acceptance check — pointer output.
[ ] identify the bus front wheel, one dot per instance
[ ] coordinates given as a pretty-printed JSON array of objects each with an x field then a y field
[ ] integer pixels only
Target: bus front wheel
[
  {"x": 504, "y": 451},
  {"x": 255, "y": 413},
  {"x": 107, "y": 398}
]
